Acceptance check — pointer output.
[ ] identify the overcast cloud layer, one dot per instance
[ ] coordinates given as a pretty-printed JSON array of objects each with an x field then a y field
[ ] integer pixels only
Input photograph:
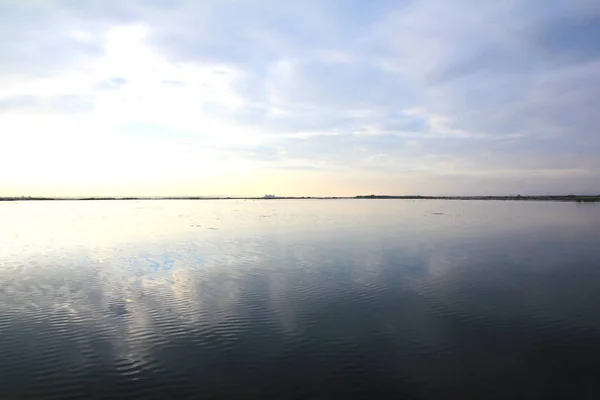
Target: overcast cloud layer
[{"x": 328, "y": 97}]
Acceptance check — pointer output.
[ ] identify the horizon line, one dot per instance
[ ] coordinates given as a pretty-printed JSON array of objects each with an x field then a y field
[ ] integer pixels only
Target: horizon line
[{"x": 273, "y": 197}]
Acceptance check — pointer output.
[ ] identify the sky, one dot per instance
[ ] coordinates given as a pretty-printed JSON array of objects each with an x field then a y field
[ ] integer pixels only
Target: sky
[{"x": 310, "y": 98}]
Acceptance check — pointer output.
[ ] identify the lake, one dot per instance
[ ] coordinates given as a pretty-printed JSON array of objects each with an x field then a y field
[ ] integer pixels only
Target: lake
[{"x": 302, "y": 299}]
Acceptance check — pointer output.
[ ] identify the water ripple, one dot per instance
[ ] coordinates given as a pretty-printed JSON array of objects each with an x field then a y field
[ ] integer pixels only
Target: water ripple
[{"x": 331, "y": 300}]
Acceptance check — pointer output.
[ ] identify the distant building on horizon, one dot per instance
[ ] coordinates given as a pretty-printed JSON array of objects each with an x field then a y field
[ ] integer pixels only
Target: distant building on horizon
[{"x": 269, "y": 196}]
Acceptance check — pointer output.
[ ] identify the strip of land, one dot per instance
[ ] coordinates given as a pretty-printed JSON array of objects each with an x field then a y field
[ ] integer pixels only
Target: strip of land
[{"x": 577, "y": 198}]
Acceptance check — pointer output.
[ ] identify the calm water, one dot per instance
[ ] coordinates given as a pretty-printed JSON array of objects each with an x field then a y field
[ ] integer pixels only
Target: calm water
[{"x": 312, "y": 299}]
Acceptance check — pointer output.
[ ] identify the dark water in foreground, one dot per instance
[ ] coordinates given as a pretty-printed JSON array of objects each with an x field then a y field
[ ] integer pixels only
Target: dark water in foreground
[{"x": 299, "y": 299}]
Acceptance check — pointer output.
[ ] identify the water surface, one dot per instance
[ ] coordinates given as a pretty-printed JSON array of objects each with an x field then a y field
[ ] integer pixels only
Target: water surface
[{"x": 306, "y": 299}]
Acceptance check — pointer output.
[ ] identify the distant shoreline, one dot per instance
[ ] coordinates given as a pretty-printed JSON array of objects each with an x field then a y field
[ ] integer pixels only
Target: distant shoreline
[{"x": 576, "y": 198}]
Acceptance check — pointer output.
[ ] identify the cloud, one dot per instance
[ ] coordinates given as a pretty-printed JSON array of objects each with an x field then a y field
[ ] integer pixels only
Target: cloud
[
  {"x": 490, "y": 67},
  {"x": 388, "y": 87},
  {"x": 50, "y": 104}
]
